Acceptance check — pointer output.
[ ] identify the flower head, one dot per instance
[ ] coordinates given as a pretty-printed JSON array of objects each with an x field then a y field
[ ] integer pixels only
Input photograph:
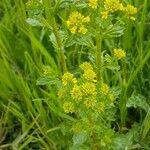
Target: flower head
[
  {"x": 68, "y": 78},
  {"x": 130, "y": 11},
  {"x": 93, "y": 3},
  {"x": 85, "y": 66},
  {"x": 119, "y": 53},
  {"x": 68, "y": 107},
  {"x": 104, "y": 14},
  {"x": 76, "y": 23},
  {"x": 88, "y": 89},
  {"x": 101, "y": 107},
  {"x": 90, "y": 102},
  {"x": 111, "y": 97},
  {"x": 104, "y": 89},
  {"x": 112, "y": 5},
  {"x": 47, "y": 70},
  {"x": 76, "y": 92},
  {"x": 89, "y": 75}
]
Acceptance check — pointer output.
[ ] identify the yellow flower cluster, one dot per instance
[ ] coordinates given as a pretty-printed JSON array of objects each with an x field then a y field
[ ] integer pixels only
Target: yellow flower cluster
[
  {"x": 46, "y": 70},
  {"x": 76, "y": 23},
  {"x": 77, "y": 127},
  {"x": 90, "y": 102},
  {"x": 130, "y": 11},
  {"x": 104, "y": 14},
  {"x": 68, "y": 78},
  {"x": 105, "y": 89},
  {"x": 101, "y": 107},
  {"x": 84, "y": 92},
  {"x": 89, "y": 89},
  {"x": 61, "y": 92},
  {"x": 119, "y": 53},
  {"x": 86, "y": 66},
  {"x": 111, "y": 97},
  {"x": 112, "y": 5},
  {"x": 76, "y": 92},
  {"x": 89, "y": 74},
  {"x": 68, "y": 107},
  {"x": 93, "y": 3}
]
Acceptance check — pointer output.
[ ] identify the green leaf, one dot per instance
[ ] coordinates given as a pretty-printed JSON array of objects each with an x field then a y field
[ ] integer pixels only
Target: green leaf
[
  {"x": 33, "y": 22},
  {"x": 138, "y": 101},
  {"x": 47, "y": 80},
  {"x": 79, "y": 138}
]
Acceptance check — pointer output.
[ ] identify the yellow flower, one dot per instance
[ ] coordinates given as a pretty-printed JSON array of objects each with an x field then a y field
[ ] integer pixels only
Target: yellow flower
[
  {"x": 104, "y": 14},
  {"x": 89, "y": 75},
  {"x": 46, "y": 70},
  {"x": 88, "y": 89},
  {"x": 104, "y": 89},
  {"x": 121, "y": 7},
  {"x": 86, "y": 19},
  {"x": 76, "y": 22},
  {"x": 86, "y": 66},
  {"x": 77, "y": 127},
  {"x": 101, "y": 107},
  {"x": 111, "y": 97},
  {"x": 61, "y": 93},
  {"x": 112, "y": 5},
  {"x": 130, "y": 10},
  {"x": 82, "y": 30},
  {"x": 68, "y": 107},
  {"x": 93, "y": 3},
  {"x": 68, "y": 78},
  {"x": 76, "y": 92},
  {"x": 119, "y": 53},
  {"x": 90, "y": 102}
]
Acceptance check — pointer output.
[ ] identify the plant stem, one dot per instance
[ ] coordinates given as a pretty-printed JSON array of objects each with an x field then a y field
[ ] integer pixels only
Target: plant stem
[
  {"x": 98, "y": 57},
  {"x": 51, "y": 19},
  {"x": 123, "y": 97}
]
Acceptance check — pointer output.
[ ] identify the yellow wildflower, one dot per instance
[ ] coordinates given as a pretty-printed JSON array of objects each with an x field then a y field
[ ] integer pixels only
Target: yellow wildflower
[
  {"x": 68, "y": 107},
  {"x": 119, "y": 53},
  {"x": 46, "y": 70},
  {"x": 111, "y": 97},
  {"x": 77, "y": 127},
  {"x": 76, "y": 92},
  {"x": 112, "y": 5},
  {"x": 89, "y": 75},
  {"x": 76, "y": 22},
  {"x": 90, "y": 102},
  {"x": 86, "y": 19},
  {"x": 88, "y": 89},
  {"x": 61, "y": 93},
  {"x": 93, "y": 3},
  {"x": 86, "y": 66},
  {"x": 82, "y": 30},
  {"x": 130, "y": 10},
  {"x": 104, "y": 14},
  {"x": 104, "y": 89},
  {"x": 68, "y": 78},
  {"x": 101, "y": 107},
  {"x": 121, "y": 7}
]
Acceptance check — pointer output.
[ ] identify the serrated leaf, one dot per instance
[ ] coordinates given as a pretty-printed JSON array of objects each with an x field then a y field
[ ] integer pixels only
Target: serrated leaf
[
  {"x": 138, "y": 101},
  {"x": 47, "y": 80},
  {"x": 79, "y": 138},
  {"x": 114, "y": 31},
  {"x": 33, "y": 22}
]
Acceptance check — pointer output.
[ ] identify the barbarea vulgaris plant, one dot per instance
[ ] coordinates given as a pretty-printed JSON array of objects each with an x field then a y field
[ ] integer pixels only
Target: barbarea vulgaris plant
[
  {"x": 87, "y": 96},
  {"x": 88, "y": 100}
]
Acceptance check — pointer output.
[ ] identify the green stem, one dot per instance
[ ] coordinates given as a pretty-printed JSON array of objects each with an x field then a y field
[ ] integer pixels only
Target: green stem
[
  {"x": 51, "y": 19},
  {"x": 98, "y": 57},
  {"x": 123, "y": 97}
]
